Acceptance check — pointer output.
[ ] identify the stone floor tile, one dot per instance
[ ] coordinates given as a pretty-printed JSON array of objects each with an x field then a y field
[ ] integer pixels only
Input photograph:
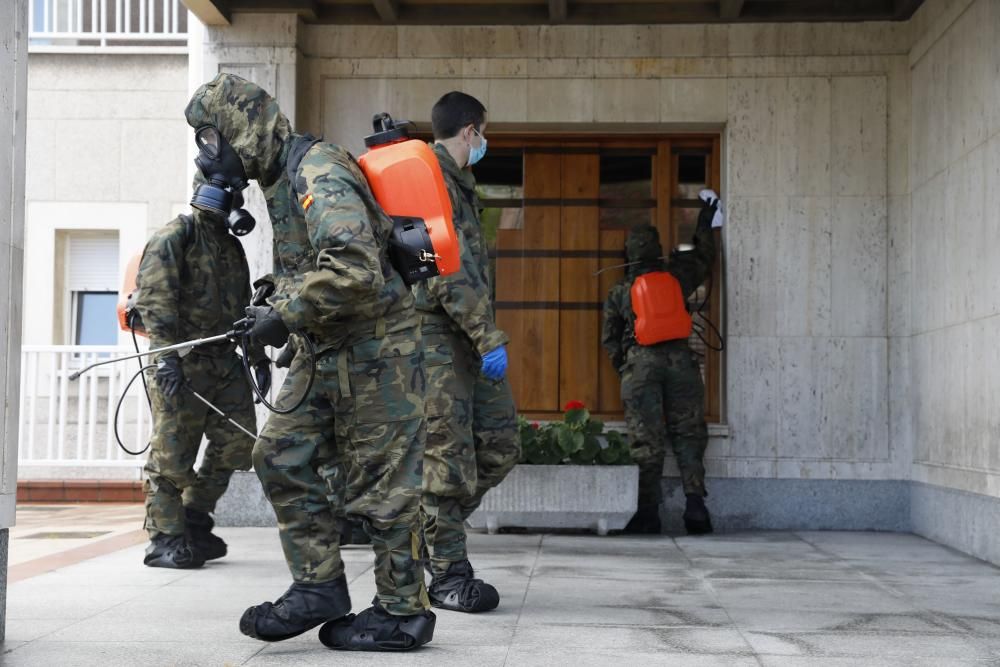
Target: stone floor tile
[
  {"x": 548, "y": 656},
  {"x": 432, "y": 655},
  {"x": 901, "y": 646},
  {"x": 709, "y": 641},
  {"x": 129, "y": 654}
]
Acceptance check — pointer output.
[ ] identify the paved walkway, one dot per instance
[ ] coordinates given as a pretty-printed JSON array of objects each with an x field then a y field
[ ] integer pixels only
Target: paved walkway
[{"x": 781, "y": 599}]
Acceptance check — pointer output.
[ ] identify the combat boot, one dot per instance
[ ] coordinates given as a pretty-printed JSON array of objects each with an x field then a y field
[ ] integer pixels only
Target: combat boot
[
  {"x": 697, "y": 520},
  {"x": 173, "y": 551},
  {"x": 375, "y": 629},
  {"x": 199, "y": 526},
  {"x": 646, "y": 521},
  {"x": 301, "y": 608},
  {"x": 456, "y": 589}
]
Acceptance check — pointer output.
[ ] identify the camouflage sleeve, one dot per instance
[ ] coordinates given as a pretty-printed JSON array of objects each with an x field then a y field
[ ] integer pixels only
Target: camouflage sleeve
[
  {"x": 465, "y": 296},
  {"x": 613, "y": 327},
  {"x": 348, "y": 268},
  {"x": 692, "y": 268},
  {"x": 158, "y": 283}
]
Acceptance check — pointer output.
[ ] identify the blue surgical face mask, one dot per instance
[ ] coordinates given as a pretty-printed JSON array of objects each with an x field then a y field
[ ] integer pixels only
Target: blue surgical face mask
[{"x": 478, "y": 152}]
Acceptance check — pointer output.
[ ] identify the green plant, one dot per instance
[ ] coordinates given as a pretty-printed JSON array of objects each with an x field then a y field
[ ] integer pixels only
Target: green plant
[{"x": 573, "y": 440}]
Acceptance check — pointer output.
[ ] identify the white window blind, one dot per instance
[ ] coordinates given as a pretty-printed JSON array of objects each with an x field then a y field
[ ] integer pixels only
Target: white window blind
[{"x": 93, "y": 262}]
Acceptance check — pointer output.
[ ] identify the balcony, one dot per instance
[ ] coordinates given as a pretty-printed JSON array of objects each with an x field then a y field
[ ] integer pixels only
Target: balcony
[
  {"x": 66, "y": 428},
  {"x": 107, "y": 26}
]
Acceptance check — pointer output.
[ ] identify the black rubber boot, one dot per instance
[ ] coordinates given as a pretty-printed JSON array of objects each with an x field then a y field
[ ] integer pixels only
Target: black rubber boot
[
  {"x": 646, "y": 521},
  {"x": 458, "y": 590},
  {"x": 200, "y": 525},
  {"x": 173, "y": 551},
  {"x": 697, "y": 520},
  {"x": 301, "y": 608},
  {"x": 375, "y": 629}
]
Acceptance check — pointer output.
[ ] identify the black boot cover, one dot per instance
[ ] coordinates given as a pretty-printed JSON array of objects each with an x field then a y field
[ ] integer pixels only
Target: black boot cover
[
  {"x": 458, "y": 590},
  {"x": 200, "y": 525},
  {"x": 173, "y": 551},
  {"x": 646, "y": 521},
  {"x": 697, "y": 520},
  {"x": 375, "y": 629},
  {"x": 301, "y": 608}
]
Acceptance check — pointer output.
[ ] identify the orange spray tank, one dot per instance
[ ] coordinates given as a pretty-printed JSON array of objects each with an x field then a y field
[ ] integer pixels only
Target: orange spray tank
[
  {"x": 128, "y": 317},
  {"x": 660, "y": 311},
  {"x": 407, "y": 182}
]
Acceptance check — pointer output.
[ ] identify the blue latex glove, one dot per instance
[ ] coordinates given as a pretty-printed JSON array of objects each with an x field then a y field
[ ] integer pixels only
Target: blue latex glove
[{"x": 495, "y": 363}]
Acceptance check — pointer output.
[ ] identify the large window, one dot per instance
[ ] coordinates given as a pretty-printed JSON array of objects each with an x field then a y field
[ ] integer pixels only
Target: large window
[
  {"x": 89, "y": 291},
  {"x": 556, "y": 212}
]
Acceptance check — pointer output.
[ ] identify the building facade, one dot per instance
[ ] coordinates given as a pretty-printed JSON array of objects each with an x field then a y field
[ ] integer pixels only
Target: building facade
[{"x": 855, "y": 287}]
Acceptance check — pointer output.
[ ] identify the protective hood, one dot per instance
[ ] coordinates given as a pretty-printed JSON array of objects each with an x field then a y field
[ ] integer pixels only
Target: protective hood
[
  {"x": 643, "y": 245},
  {"x": 248, "y": 118}
]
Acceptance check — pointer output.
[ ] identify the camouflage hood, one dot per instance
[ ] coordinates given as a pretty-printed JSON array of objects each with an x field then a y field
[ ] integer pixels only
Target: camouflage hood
[
  {"x": 643, "y": 246},
  {"x": 248, "y": 118}
]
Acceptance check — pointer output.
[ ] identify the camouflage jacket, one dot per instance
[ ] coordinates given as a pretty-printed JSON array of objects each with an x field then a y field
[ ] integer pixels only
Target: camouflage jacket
[
  {"x": 690, "y": 268},
  {"x": 332, "y": 269},
  {"x": 332, "y": 273},
  {"x": 463, "y": 297},
  {"x": 193, "y": 282}
]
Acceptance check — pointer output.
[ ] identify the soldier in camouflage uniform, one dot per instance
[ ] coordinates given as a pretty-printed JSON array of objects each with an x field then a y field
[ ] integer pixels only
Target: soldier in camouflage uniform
[
  {"x": 472, "y": 438},
  {"x": 192, "y": 281},
  {"x": 661, "y": 384},
  {"x": 357, "y": 442}
]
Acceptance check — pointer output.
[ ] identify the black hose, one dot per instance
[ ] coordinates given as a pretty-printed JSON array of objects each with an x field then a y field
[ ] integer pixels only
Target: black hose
[
  {"x": 699, "y": 329},
  {"x": 118, "y": 409},
  {"x": 244, "y": 345}
]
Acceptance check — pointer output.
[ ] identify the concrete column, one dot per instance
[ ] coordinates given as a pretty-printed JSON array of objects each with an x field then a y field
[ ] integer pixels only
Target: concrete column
[
  {"x": 13, "y": 104},
  {"x": 262, "y": 48}
]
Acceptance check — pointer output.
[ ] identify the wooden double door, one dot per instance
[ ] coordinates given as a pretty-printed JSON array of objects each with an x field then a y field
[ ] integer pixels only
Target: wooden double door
[{"x": 556, "y": 214}]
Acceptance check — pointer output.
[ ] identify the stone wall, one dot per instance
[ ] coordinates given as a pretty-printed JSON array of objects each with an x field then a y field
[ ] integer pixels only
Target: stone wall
[
  {"x": 815, "y": 124},
  {"x": 109, "y": 150},
  {"x": 948, "y": 348}
]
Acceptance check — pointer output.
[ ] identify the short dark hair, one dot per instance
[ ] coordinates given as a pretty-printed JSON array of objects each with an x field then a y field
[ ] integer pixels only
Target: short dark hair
[{"x": 454, "y": 111}]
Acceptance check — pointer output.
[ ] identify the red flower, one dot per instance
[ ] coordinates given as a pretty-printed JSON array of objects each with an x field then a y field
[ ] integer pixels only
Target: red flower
[
  {"x": 535, "y": 425},
  {"x": 574, "y": 405}
]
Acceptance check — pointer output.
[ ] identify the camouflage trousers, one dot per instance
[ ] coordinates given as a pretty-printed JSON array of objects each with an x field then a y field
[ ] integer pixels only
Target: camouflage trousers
[
  {"x": 472, "y": 442},
  {"x": 355, "y": 446},
  {"x": 664, "y": 395},
  {"x": 179, "y": 424}
]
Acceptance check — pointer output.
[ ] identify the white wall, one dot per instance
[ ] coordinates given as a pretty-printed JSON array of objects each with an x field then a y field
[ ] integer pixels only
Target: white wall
[
  {"x": 954, "y": 247},
  {"x": 815, "y": 123},
  {"x": 106, "y": 149}
]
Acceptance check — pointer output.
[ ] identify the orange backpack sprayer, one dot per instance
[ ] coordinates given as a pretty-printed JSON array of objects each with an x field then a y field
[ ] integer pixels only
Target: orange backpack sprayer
[
  {"x": 660, "y": 311},
  {"x": 407, "y": 182},
  {"x": 128, "y": 318}
]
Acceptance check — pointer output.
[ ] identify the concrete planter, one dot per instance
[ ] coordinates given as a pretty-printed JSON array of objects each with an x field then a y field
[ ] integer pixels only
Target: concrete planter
[{"x": 599, "y": 498}]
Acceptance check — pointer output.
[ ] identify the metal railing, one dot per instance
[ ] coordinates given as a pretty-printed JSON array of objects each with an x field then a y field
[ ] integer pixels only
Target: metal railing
[
  {"x": 71, "y": 423},
  {"x": 107, "y": 24}
]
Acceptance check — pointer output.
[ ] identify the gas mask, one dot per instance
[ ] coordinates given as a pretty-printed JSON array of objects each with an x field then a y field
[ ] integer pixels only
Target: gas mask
[
  {"x": 225, "y": 179},
  {"x": 240, "y": 222}
]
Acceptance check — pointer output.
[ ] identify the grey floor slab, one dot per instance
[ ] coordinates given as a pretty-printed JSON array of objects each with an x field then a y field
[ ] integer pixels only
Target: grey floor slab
[{"x": 781, "y": 599}]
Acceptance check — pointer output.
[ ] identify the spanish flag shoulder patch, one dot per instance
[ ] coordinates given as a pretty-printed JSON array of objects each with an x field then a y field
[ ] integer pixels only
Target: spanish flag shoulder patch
[{"x": 307, "y": 202}]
